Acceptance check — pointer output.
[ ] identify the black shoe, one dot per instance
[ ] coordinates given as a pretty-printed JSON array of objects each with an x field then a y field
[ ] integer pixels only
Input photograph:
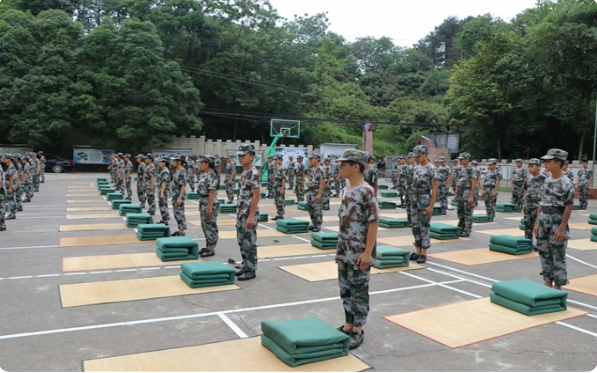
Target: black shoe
[
  {"x": 178, "y": 234},
  {"x": 311, "y": 227},
  {"x": 240, "y": 272},
  {"x": 315, "y": 230},
  {"x": 464, "y": 234},
  {"x": 278, "y": 218},
  {"x": 326, "y": 209},
  {"x": 422, "y": 259},
  {"x": 356, "y": 339},
  {"x": 36, "y": 190},
  {"x": 207, "y": 253},
  {"x": 151, "y": 212},
  {"x": 289, "y": 189},
  {"x": 535, "y": 249},
  {"x": 162, "y": 222},
  {"x": 341, "y": 329},
  {"x": 10, "y": 217},
  {"x": 2, "y": 229},
  {"x": 230, "y": 202},
  {"x": 248, "y": 275},
  {"x": 414, "y": 256},
  {"x": 26, "y": 200},
  {"x": 234, "y": 263},
  {"x": 19, "y": 209}
]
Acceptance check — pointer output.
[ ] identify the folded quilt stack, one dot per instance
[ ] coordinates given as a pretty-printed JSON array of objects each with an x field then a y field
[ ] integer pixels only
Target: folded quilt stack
[
  {"x": 510, "y": 245},
  {"x": 387, "y": 205},
  {"x": 222, "y": 187},
  {"x": 302, "y": 205},
  {"x": 291, "y": 226},
  {"x": 303, "y": 341},
  {"x": 263, "y": 217},
  {"x": 205, "y": 274},
  {"x": 453, "y": 202},
  {"x": 390, "y": 257},
  {"x": 389, "y": 194},
  {"x": 391, "y": 223},
  {"x": 101, "y": 186},
  {"x": 442, "y": 231},
  {"x": 575, "y": 207},
  {"x": 149, "y": 232},
  {"x": 593, "y": 219},
  {"x": 118, "y": 202},
  {"x": 134, "y": 219},
  {"x": 228, "y": 208},
  {"x": 528, "y": 297},
  {"x": 324, "y": 241},
  {"x": 481, "y": 219},
  {"x": 289, "y": 201},
  {"x": 521, "y": 224},
  {"x": 505, "y": 207},
  {"x": 263, "y": 195},
  {"x": 114, "y": 196},
  {"x": 176, "y": 248},
  {"x": 191, "y": 195},
  {"x": 105, "y": 191},
  {"x": 437, "y": 210},
  {"x": 382, "y": 186},
  {"x": 101, "y": 179},
  {"x": 594, "y": 234},
  {"x": 129, "y": 208}
]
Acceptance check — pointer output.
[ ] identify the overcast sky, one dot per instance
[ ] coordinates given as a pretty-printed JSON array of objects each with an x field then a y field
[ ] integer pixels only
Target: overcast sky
[{"x": 405, "y": 22}]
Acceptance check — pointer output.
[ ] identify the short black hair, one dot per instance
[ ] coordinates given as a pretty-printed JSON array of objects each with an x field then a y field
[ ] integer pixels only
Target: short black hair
[
  {"x": 585, "y": 161},
  {"x": 361, "y": 167},
  {"x": 561, "y": 162}
]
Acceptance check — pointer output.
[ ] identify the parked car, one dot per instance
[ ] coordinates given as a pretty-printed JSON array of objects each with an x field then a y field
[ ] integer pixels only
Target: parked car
[{"x": 58, "y": 165}]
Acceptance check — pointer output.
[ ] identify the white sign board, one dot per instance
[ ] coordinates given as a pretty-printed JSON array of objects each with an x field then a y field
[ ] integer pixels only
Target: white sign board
[
  {"x": 92, "y": 156},
  {"x": 7, "y": 149},
  {"x": 292, "y": 152}
]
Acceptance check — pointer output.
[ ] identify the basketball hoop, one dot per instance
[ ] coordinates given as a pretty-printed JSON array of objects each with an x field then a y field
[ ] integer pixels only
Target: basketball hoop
[{"x": 285, "y": 135}]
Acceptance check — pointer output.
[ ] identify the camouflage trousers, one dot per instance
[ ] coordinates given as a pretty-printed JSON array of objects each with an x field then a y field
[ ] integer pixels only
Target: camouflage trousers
[
  {"x": 290, "y": 180},
  {"x": 192, "y": 183},
  {"x": 230, "y": 192},
  {"x": 517, "y": 197},
  {"x": 129, "y": 189},
  {"x": 315, "y": 209},
  {"x": 112, "y": 177},
  {"x": 552, "y": 254},
  {"x": 490, "y": 202},
  {"x": 120, "y": 185},
  {"x": 299, "y": 190},
  {"x": 270, "y": 187},
  {"x": 420, "y": 221},
  {"x": 395, "y": 182},
  {"x": 583, "y": 196},
  {"x": 465, "y": 212},
  {"x": 339, "y": 184},
  {"x": 401, "y": 195},
  {"x": 18, "y": 194},
  {"x": 247, "y": 240},
  {"x": 279, "y": 200},
  {"x": 42, "y": 175},
  {"x": 29, "y": 191},
  {"x": 476, "y": 198},
  {"x": 178, "y": 211},
  {"x": 354, "y": 292},
  {"x": 150, "y": 200},
  {"x": 36, "y": 183},
  {"x": 325, "y": 198},
  {"x": 141, "y": 194},
  {"x": 442, "y": 197},
  {"x": 408, "y": 198},
  {"x": 530, "y": 217},
  {"x": 163, "y": 205},
  {"x": 2, "y": 211},
  {"x": 209, "y": 225}
]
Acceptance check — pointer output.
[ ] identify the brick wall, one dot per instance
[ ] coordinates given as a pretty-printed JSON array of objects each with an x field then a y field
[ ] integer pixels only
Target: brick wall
[{"x": 201, "y": 145}]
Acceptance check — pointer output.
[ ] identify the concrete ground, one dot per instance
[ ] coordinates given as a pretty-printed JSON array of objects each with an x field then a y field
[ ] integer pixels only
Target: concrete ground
[{"x": 37, "y": 334}]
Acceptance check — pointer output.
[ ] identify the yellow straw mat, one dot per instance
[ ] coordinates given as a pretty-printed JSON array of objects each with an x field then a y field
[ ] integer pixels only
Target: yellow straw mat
[
  {"x": 92, "y": 216},
  {"x": 584, "y": 244},
  {"x": 100, "y": 240},
  {"x": 326, "y": 218},
  {"x": 239, "y": 355},
  {"x": 329, "y": 270},
  {"x": 82, "y": 195},
  {"x": 466, "y": 323},
  {"x": 86, "y": 201},
  {"x": 581, "y": 226},
  {"x": 290, "y": 250},
  {"x": 87, "y": 209},
  {"x": 118, "y": 261},
  {"x": 93, "y": 227},
  {"x": 515, "y": 232},
  {"x": 89, "y": 293},
  {"x": 260, "y": 234},
  {"x": 479, "y": 256},
  {"x": 587, "y": 285}
]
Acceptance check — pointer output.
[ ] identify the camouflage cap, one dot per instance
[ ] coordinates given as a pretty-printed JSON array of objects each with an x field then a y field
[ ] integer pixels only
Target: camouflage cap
[
  {"x": 164, "y": 159},
  {"x": 178, "y": 157},
  {"x": 40, "y": 152},
  {"x": 354, "y": 155},
  {"x": 127, "y": 155},
  {"x": 474, "y": 162},
  {"x": 535, "y": 161},
  {"x": 372, "y": 157},
  {"x": 16, "y": 155},
  {"x": 327, "y": 160},
  {"x": 315, "y": 156},
  {"x": 442, "y": 159},
  {"x": 411, "y": 155},
  {"x": 278, "y": 157},
  {"x": 556, "y": 153},
  {"x": 270, "y": 157},
  {"x": 208, "y": 158},
  {"x": 492, "y": 161},
  {"x": 244, "y": 149},
  {"x": 519, "y": 160},
  {"x": 420, "y": 149},
  {"x": 120, "y": 155},
  {"x": 140, "y": 156},
  {"x": 464, "y": 155},
  {"x": 299, "y": 157}
]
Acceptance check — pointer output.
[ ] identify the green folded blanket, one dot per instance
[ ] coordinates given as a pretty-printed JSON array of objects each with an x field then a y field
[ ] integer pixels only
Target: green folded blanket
[
  {"x": 593, "y": 216},
  {"x": 129, "y": 208},
  {"x": 444, "y": 236},
  {"x": 134, "y": 219},
  {"x": 302, "y": 207},
  {"x": 511, "y": 241},
  {"x": 505, "y": 207},
  {"x": 481, "y": 219},
  {"x": 521, "y": 227},
  {"x": 207, "y": 270},
  {"x": 453, "y": 203},
  {"x": 388, "y": 226},
  {"x": 593, "y": 238},
  {"x": 292, "y": 223},
  {"x": 391, "y": 252},
  {"x": 510, "y": 250},
  {"x": 191, "y": 195},
  {"x": 263, "y": 217},
  {"x": 382, "y": 264},
  {"x": 303, "y": 341},
  {"x": 101, "y": 179},
  {"x": 528, "y": 297},
  {"x": 575, "y": 207},
  {"x": 387, "y": 205},
  {"x": 325, "y": 236},
  {"x": 193, "y": 284},
  {"x": 292, "y": 230},
  {"x": 303, "y": 203},
  {"x": 178, "y": 245},
  {"x": 394, "y": 223},
  {"x": 324, "y": 245},
  {"x": 228, "y": 207},
  {"x": 289, "y": 201},
  {"x": 389, "y": 194},
  {"x": 222, "y": 187},
  {"x": 437, "y": 210},
  {"x": 114, "y": 196},
  {"x": 443, "y": 228},
  {"x": 146, "y": 232},
  {"x": 263, "y": 195},
  {"x": 105, "y": 191},
  {"x": 592, "y": 222},
  {"x": 382, "y": 186},
  {"x": 264, "y": 183},
  {"x": 117, "y": 202},
  {"x": 171, "y": 257}
]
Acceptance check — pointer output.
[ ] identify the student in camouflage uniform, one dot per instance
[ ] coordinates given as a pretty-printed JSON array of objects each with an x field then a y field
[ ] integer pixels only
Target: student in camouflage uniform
[
  {"x": 370, "y": 175},
  {"x": 163, "y": 182},
  {"x": 290, "y": 172},
  {"x": 315, "y": 192},
  {"x": 399, "y": 171},
  {"x": 489, "y": 189},
  {"x": 20, "y": 181},
  {"x": 247, "y": 212},
  {"x": 359, "y": 219},
  {"x": 141, "y": 179},
  {"x": 327, "y": 181},
  {"x": 585, "y": 179},
  {"x": 551, "y": 226},
  {"x": 27, "y": 180},
  {"x": 36, "y": 172},
  {"x": 569, "y": 174},
  {"x": 408, "y": 175},
  {"x": 455, "y": 175},
  {"x": 474, "y": 165},
  {"x": 42, "y": 163},
  {"x": 271, "y": 172},
  {"x": 465, "y": 198},
  {"x": 339, "y": 181},
  {"x": 209, "y": 207},
  {"x": 10, "y": 177},
  {"x": 299, "y": 182},
  {"x": 217, "y": 167},
  {"x": 229, "y": 178},
  {"x": 533, "y": 187},
  {"x": 423, "y": 197},
  {"x": 394, "y": 174},
  {"x": 179, "y": 185},
  {"x": 128, "y": 176},
  {"x": 279, "y": 188},
  {"x": 518, "y": 176},
  {"x": 112, "y": 168},
  {"x": 444, "y": 177},
  {"x": 150, "y": 177},
  {"x": 2, "y": 200},
  {"x": 120, "y": 173},
  {"x": 190, "y": 167}
]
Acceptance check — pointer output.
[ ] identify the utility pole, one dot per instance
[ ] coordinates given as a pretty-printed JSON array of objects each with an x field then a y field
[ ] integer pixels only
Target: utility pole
[{"x": 594, "y": 141}]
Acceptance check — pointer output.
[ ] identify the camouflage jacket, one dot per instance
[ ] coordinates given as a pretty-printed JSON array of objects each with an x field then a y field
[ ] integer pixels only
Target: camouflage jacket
[
  {"x": 443, "y": 172},
  {"x": 164, "y": 176},
  {"x": 291, "y": 166},
  {"x": 27, "y": 173},
  {"x": 518, "y": 176},
  {"x": 229, "y": 168},
  {"x": 114, "y": 166},
  {"x": 10, "y": 171},
  {"x": 370, "y": 175},
  {"x": 491, "y": 179},
  {"x": 300, "y": 168},
  {"x": 465, "y": 179},
  {"x": 179, "y": 180},
  {"x": 534, "y": 187},
  {"x": 207, "y": 182},
  {"x": 358, "y": 208},
  {"x": 570, "y": 175},
  {"x": 315, "y": 176},
  {"x": 584, "y": 176},
  {"x": 407, "y": 176},
  {"x": 2, "y": 190},
  {"x": 141, "y": 171},
  {"x": 150, "y": 172},
  {"x": 128, "y": 168},
  {"x": 456, "y": 174},
  {"x": 422, "y": 178},
  {"x": 557, "y": 193},
  {"x": 280, "y": 175},
  {"x": 120, "y": 169},
  {"x": 20, "y": 171},
  {"x": 217, "y": 165},
  {"x": 249, "y": 180}
]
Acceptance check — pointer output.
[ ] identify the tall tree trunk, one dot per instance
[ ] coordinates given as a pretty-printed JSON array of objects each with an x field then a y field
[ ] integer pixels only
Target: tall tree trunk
[
  {"x": 499, "y": 149},
  {"x": 580, "y": 147},
  {"x": 235, "y": 127}
]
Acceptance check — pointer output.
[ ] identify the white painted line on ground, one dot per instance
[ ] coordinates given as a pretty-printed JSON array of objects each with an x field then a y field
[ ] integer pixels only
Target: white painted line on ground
[
  {"x": 265, "y": 226},
  {"x": 52, "y": 275},
  {"x": 19, "y": 277},
  {"x": 126, "y": 270},
  {"x": 457, "y": 270},
  {"x": 580, "y": 261},
  {"x": 97, "y": 272},
  {"x": 168, "y": 267},
  {"x": 303, "y": 239},
  {"x": 28, "y": 247},
  {"x": 75, "y": 273},
  {"x": 577, "y": 328},
  {"x": 150, "y": 269},
  {"x": 463, "y": 278},
  {"x": 583, "y": 304},
  {"x": 232, "y": 325}
]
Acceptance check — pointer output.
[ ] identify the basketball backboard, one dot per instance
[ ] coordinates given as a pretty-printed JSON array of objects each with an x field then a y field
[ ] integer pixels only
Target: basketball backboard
[{"x": 285, "y": 128}]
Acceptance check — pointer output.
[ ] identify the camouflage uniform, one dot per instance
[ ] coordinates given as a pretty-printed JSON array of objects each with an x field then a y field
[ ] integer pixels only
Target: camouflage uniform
[
  {"x": 230, "y": 167},
  {"x": 2, "y": 200},
  {"x": 42, "y": 176},
  {"x": 20, "y": 182},
  {"x": 113, "y": 170},
  {"x": 141, "y": 192},
  {"x": 189, "y": 166},
  {"x": 570, "y": 175},
  {"x": 394, "y": 177},
  {"x": 358, "y": 209},
  {"x": 247, "y": 238},
  {"x": 35, "y": 174},
  {"x": 370, "y": 176},
  {"x": 406, "y": 177},
  {"x": 11, "y": 198},
  {"x": 420, "y": 199},
  {"x": 464, "y": 210},
  {"x": 518, "y": 176},
  {"x": 28, "y": 181},
  {"x": 290, "y": 178},
  {"x": 120, "y": 179},
  {"x": 316, "y": 174},
  {"x": 327, "y": 190},
  {"x": 278, "y": 197},
  {"x": 150, "y": 172},
  {"x": 178, "y": 181},
  {"x": 128, "y": 168},
  {"x": 534, "y": 187},
  {"x": 443, "y": 172},
  {"x": 217, "y": 167},
  {"x": 455, "y": 175},
  {"x": 208, "y": 182},
  {"x": 584, "y": 177},
  {"x": 164, "y": 176},
  {"x": 489, "y": 184},
  {"x": 339, "y": 181},
  {"x": 299, "y": 185},
  {"x": 271, "y": 173},
  {"x": 478, "y": 188}
]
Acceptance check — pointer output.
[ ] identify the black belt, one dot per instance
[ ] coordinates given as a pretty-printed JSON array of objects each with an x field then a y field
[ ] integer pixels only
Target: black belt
[
  {"x": 420, "y": 192},
  {"x": 552, "y": 209}
]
